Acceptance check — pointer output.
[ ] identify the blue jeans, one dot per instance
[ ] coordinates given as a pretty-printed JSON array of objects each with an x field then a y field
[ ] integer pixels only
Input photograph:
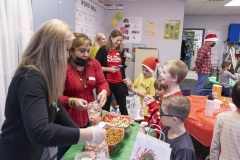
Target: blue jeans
[
  {"x": 226, "y": 92},
  {"x": 202, "y": 79}
]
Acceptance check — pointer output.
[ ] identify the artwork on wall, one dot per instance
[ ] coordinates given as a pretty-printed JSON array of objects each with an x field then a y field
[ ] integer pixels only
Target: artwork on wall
[
  {"x": 151, "y": 28},
  {"x": 171, "y": 29},
  {"x": 133, "y": 27}
]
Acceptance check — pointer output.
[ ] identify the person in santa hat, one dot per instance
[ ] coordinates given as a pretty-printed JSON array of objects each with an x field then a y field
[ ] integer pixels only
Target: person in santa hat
[
  {"x": 203, "y": 62},
  {"x": 144, "y": 84}
]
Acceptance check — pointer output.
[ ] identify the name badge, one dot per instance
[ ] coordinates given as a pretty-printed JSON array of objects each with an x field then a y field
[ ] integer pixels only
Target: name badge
[{"x": 92, "y": 78}]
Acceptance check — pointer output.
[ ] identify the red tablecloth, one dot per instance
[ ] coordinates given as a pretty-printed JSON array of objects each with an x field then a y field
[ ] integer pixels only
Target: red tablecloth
[{"x": 198, "y": 125}]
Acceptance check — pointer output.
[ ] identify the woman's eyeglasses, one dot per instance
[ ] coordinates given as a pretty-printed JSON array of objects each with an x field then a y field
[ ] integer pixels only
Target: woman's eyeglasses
[{"x": 168, "y": 115}]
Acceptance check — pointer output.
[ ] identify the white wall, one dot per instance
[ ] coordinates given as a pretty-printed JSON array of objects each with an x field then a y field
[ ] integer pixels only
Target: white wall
[
  {"x": 217, "y": 24},
  {"x": 160, "y": 11}
]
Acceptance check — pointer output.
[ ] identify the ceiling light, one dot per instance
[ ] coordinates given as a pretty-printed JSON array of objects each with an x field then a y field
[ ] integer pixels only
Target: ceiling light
[{"x": 233, "y": 3}]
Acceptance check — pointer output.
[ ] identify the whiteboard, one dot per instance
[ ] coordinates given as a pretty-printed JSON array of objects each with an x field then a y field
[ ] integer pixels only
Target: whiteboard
[{"x": 140, "y": 55}]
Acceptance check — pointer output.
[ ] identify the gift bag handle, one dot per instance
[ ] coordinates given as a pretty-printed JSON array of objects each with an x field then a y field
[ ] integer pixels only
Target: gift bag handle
[{"x": 159, "y": 130}]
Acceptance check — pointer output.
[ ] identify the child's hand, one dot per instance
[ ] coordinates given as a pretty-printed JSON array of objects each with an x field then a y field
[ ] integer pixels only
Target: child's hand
[{"x": 148, "y": 99}]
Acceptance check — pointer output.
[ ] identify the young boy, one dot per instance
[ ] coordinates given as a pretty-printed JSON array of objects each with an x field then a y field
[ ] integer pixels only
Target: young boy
[
  {"x": 226, "y": 135},
  {"x": 174, "y": 111},
  {"x": 144, "y": 84},
  {"x": 224, "y": 78},
  {"x": 173, "y": 73}
]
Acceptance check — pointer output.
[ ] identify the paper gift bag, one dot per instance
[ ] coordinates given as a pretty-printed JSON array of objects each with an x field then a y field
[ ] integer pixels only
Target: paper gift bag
[
  {"x": 135, "y": 109},
  {"x": 148, "y": 147}
]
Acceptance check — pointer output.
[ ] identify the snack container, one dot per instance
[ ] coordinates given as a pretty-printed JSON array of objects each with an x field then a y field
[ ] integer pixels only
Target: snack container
[
  {"x": 85, "y": 156},
  {"x": 115, "y": 120},
  {"x": 100, "y": 149},
  {"x": 114, "y": 136}
]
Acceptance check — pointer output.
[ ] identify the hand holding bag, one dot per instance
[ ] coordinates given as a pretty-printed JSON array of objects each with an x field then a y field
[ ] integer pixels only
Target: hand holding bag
[{"x": 135, "y": 109}]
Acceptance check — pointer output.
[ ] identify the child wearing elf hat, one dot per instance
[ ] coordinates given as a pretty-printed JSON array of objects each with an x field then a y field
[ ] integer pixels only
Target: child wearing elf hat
[{"x": 144, "y": 84}]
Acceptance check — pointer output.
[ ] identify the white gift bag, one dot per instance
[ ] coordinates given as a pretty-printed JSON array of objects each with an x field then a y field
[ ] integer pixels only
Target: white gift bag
[
  {"x": 148, "y": 147},
  {"x": 135, "y": 108}
]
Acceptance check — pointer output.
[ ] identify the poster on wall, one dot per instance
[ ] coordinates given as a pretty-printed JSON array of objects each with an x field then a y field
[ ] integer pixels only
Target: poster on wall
[
  {"x": 171, "y": 29},
  {"x": 134, "y": 47},
  {"x": 89, "y": 18},
  {"x": 133, "y": 27},
  {"x": 151, "y": 28}
]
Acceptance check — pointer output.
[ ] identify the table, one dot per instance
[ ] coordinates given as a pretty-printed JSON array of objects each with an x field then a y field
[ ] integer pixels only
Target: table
[
  {"x": 198, "y": 125},
  {"x": 123, "y": 150},
  {"x": 212, "y": 80}
]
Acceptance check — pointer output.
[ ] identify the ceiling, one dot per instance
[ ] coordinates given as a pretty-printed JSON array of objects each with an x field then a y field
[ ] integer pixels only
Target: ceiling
[{"x": 213, "y": 7}]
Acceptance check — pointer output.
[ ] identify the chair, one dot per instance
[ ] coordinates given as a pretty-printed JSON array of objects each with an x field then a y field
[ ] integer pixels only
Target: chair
[
  {"x": 205, "y": 92},
  {"x": 186, "y": 92}
]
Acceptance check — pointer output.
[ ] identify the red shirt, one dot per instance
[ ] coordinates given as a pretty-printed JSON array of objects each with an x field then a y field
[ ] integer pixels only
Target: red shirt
[
  {"x": 114, "y": 59},
  {"x": 203, "y": 60},
  {"x": 154, "y": 113},
  {"x": 94, "y": 78}
]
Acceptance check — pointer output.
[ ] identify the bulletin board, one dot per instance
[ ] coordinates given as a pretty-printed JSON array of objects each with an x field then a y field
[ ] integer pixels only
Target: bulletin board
[{"x": 140, "y": 55}]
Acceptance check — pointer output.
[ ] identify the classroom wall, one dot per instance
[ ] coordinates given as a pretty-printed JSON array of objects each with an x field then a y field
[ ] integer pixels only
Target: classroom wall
[
  {"x": 217, "y": 24},
  {"x": 153, "y": 10},
  {"x": 44, "y": 10}
]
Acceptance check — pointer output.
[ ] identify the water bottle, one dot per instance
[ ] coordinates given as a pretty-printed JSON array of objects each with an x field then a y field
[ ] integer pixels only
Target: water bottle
[{"x": 209, "y": 106}]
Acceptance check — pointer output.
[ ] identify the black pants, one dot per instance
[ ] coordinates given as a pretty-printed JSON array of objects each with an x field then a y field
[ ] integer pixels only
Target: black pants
[{"x": 119, "y": 91}]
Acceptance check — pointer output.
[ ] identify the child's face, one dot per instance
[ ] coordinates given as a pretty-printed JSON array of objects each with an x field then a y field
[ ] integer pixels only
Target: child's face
[
  {"x": 166, "y": 76},
  {"x": 146, "y": 73},
  {"x": 159, "y": 92}
]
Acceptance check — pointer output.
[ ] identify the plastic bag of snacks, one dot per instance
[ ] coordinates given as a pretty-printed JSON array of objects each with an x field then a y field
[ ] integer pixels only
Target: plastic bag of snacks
[{"x": 100, "y": 149}]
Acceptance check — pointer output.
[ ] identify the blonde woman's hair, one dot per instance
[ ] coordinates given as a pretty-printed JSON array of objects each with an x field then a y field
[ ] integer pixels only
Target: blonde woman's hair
[
  {"x": 98, "y": 37},
  {"x": 47, "y": 53},
  {"x": 80, "y": 39},
  {"x": 177, "y": 68},
  {"x": 113, "y": 34}
]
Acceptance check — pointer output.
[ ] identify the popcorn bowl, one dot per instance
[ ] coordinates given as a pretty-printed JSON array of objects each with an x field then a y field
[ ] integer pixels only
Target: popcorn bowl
[{"x": 114, "y": 136}]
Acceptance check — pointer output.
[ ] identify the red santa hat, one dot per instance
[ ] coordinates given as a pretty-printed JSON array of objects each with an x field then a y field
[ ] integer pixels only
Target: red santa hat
[
  {"x": 211, "y": 37},
  {"x": 150, "y": 63}
]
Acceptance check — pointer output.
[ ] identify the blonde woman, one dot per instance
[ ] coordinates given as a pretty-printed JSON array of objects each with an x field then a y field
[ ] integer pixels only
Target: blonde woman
[
  {"x": 100, "y": 40},
  {"x": 35, "y": 118}
]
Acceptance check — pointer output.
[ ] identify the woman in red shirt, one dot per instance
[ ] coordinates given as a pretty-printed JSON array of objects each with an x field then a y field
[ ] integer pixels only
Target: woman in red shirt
[
  {"x": 83, "y": 75},
  {"x": 114, "y": 61}
]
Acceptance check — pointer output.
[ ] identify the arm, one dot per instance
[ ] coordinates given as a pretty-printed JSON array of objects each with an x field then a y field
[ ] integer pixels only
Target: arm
[
  {"x": 200, "y": 56},
  {"x": 101, "y": 57},
  {"x": 128, "y": 58},
  {"x": 232, "y": 76},
  {"x": 216, "y": 145},
  {"x": 35, "y": 115}
]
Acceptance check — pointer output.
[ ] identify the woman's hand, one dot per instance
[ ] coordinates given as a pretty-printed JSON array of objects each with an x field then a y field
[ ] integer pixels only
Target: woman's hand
[
  {"x": 81, "y": 104},
  {"x": 113, "y": 69},
  {"x": 102, "y": 97},
  {"x": 127, "y": 55},
  {"x": 93, "y": 134},
  {"x": 127, "y": 81}
]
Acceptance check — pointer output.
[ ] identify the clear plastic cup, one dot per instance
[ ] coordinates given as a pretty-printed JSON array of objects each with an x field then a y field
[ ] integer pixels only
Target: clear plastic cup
[{"x": 94, "y": 112}]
